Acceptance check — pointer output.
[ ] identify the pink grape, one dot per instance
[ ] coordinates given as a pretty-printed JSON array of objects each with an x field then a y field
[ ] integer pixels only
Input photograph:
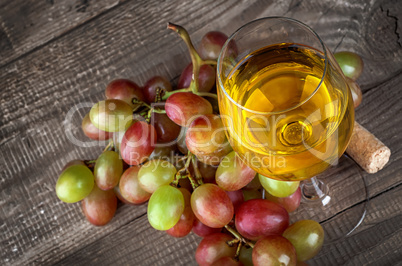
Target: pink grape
[
  {"x": 130, "y": 188},
  {"x": 99, "y": 206},
  {"x": 232, "y": 174},
  {"x": 307, "y": 236},
  {"x": 356, "y": 91},
  {"x": 212, "y": 206},
  {"x": 151, "y": 86},
  {"x": 211, "y": 44},
  {"x": 290, "y": 203},
  {"x": 257, "y": 218},
  {"x": 138, "y": 143},
  {"x": 93, "y": 132},
  {"x": 274, "y": 250},
  {"x": 206, "y": 139},
  {"x": 185, "y": 224},
  {"x": 108, "y": 170},
  {"x": 183, "y": 107},
  {"x": 212, "y": 248},
  {"x": 111, "y": 115},
  {"x": 125, "y": 90},
  {"x": 206, "y": 78},
  {"x": 202, "y": 230}
]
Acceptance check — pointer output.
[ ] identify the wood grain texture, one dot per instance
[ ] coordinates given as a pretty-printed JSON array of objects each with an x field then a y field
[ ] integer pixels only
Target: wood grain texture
[
  {"x": 39, "y": 88},
  {"x": 26, "y": 25}
]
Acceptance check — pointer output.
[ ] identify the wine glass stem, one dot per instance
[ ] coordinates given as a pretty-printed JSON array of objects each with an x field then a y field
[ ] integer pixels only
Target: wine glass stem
[{"x": 314, "y": 190}]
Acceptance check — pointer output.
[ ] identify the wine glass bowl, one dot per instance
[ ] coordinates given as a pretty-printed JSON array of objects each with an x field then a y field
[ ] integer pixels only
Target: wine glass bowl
[{"x": 283, "y": 99}]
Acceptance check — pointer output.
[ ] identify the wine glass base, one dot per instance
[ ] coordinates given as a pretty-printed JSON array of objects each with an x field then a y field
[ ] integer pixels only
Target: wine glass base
[{"x": 342, "y": 206}]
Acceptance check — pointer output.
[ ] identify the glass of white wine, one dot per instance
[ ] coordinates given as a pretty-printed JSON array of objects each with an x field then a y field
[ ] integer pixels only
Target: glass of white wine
[{"x": 288, "y": 111}]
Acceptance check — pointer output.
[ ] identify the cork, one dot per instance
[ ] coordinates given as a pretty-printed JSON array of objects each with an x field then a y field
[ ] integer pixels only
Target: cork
[{"x": 368, "y": 151}]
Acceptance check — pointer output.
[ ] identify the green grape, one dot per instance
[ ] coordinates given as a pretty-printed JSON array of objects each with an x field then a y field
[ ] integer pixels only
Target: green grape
[
  {"x": 111, "y": 115},
  {"x": 277, "y": 188},
  {"x": 165, "y": 207},
  {"x": 74, "y": 183},
  {"x": 307, "y": 236},
  {"x": 350, "y": 63},
  {"x": 156, "y": 173},
  {"x": 108, "y": 170}
]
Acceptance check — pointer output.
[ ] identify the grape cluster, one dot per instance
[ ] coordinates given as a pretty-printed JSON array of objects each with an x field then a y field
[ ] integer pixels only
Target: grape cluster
[{"x": 168, "y": 147}]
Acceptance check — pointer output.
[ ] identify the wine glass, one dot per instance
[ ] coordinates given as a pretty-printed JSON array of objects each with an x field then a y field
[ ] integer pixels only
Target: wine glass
[{"x": 288, "y": 112}]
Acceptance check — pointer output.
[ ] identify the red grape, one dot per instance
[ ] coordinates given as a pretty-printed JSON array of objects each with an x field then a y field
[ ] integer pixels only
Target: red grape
[
  {"x": 356, "y": 92},
  {"x": 307, "y": 236},
  {"x": 290, "y": 203},
  {"x": 212, "y": 206},
  {"x": 212, "y": 248},
  {"x": 166, "y": 129},
  {"x": 130, "y": 188},
  {"x": 350, "y": 63},
  {"x": 183, "y": 107},
  {"x": 117, "y": 192},
  {"x": 138, "y": 143},
  {"x": 232, "y": 173},
  {"x": 93, "y": 132},
  {"x": 274, "y": 250},
  {"x": 226, "y": 261},
  {"x": 206, "y": 139},
  {"x": 211, "y": 44},
  {"x": 108, "y": 170},
  {"x": 202, "y": 230},
  {"x": 206, "y": 78},
  {"x": 100, "y": 206},
  {"x": 259, "y": 217},
  {"x": 152, "y": 85},
  {"x": 125, "y": 90},
  {"x": 185, "y": 224},
  {"x": 236, "y": 197}
]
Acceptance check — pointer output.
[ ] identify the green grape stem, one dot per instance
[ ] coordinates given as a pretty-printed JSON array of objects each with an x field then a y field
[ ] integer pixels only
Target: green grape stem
[
  {"x": 198, "y": 176},
  {"x": 195, "y": 57},
  {"x": 238, "y": 236},
  {"x": 207, "y": 94},
  {"x": 239, "y": 246},
  {"x": 110, "y": 145}
]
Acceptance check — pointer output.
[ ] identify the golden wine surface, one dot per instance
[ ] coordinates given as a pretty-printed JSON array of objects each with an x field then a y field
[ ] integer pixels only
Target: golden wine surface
[{"x": 287, "y": 117}]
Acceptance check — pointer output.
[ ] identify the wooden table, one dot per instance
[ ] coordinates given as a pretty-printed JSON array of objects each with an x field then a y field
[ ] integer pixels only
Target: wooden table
[{"x": 56, "y": 54}]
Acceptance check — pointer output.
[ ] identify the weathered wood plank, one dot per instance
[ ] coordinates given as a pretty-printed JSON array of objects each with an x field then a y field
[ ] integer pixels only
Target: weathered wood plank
[
  {"x": 26, "y": 25},
  {"x": 131, "y": 41}
]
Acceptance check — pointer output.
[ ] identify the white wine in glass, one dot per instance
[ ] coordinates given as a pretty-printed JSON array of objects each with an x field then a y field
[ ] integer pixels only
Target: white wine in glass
[{"x": 287, "y": 109}]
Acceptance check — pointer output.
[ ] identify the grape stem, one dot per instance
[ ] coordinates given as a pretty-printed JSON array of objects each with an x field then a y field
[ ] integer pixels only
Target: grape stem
[
  {"x": 207, "y": 94},
  {"x": 198, "y": 176},
  {"x": 238, "y": 236},
  {"x": 109, "y": 145},
  {"x": 169, "y": 93},
  {"x": 239, "y": 246},
  {"x": 195, "y": 57}
]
